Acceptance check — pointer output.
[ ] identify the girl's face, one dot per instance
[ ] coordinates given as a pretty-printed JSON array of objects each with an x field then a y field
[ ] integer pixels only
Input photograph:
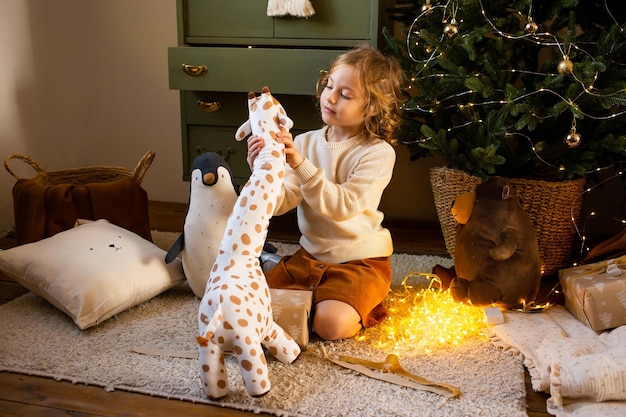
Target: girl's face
[{"x": 342, "y": 102}]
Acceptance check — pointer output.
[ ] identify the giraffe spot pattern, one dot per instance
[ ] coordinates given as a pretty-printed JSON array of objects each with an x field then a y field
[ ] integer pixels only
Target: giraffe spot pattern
[{"x": 237, "y": 279}]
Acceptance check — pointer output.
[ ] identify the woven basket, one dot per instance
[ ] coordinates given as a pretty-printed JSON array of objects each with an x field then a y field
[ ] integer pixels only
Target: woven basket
[
  {"x": 82, "y": 176},
  {"x": 553, "y": 208}
]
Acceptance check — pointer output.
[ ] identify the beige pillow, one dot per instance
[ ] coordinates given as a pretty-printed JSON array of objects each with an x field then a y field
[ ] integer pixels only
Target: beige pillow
[{"x": 93, "y": 271}]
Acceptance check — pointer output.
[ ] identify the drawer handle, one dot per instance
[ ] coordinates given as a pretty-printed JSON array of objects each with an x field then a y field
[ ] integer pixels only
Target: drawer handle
[
  {"x": 209, "y": 106},
  {"x": 194, "y": 70},
  {"x": 225, "y": 153}
]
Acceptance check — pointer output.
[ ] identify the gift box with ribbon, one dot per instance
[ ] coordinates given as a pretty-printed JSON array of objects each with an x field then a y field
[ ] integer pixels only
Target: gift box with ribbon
[{"x": 596, "y": 293}]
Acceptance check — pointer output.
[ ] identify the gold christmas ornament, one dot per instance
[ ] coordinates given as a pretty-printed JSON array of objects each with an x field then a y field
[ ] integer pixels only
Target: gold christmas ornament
[
  {"x": 451, "y": 29},
  {"x": 531, "y": 27},
  {"x": 573, "y": 138},
  {"x": 565, "y": 67}
]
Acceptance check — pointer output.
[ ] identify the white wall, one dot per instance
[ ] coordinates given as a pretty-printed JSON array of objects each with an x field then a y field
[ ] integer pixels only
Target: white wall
[{"x": 85, "y": 83}]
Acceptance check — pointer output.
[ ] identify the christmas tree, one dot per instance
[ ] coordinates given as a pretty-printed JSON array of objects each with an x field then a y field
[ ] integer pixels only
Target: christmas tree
[{"x": 529, "y": 89}]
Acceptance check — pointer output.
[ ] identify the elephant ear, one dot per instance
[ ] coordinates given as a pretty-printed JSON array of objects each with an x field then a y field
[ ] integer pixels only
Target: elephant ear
[
  {"x": 463, "y": 206},
  {"x": 506, "y": 192}
]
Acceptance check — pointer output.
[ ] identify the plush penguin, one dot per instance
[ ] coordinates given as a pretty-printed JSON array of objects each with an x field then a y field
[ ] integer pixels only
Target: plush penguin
[
  {"x": 211, "y": 199},
  {"x": 496, "y": 255}
]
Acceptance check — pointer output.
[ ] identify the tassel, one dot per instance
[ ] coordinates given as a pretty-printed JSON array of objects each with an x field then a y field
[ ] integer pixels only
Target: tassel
[{"x": 298, "y": 8}]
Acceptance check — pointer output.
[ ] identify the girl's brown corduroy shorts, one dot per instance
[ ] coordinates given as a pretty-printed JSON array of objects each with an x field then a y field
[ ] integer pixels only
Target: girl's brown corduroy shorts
[{"x": 363, "y": 284}]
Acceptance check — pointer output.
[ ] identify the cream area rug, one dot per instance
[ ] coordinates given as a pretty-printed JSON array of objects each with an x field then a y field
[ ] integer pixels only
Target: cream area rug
[{"x": 38, "y": 339}]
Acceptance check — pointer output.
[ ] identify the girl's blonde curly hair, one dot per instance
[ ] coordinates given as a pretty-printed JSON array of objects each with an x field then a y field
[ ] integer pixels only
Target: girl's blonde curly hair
[{"x": 381, "y": 79}]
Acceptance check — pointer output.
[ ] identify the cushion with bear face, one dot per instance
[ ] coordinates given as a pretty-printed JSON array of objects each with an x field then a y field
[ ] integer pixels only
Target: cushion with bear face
[{"x": 93, "y": 271}]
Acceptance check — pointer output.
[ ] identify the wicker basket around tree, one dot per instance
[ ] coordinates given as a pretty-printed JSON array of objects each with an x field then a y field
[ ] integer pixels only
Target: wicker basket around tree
[
  {"x": 82, "y": 176},
  {"x": 553, "y": 208}
]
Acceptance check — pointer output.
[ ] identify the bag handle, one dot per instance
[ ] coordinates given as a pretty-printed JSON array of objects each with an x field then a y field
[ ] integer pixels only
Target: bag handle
[
  {"x": 30, "y": 161},
  {"x": 142, "y": 166}
]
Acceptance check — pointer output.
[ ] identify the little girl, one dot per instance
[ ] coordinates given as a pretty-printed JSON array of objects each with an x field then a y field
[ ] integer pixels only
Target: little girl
[{"x": 336, "y": 177}]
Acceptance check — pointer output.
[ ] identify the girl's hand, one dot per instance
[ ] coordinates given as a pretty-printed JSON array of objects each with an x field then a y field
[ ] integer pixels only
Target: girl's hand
[
  {"x": 293, "y": 155},
  {"x": 255, "y": 144}
]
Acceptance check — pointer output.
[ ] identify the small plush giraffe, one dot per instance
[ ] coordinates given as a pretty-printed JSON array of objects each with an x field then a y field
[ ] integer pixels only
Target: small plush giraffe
[{"x": 235, "y": 313}]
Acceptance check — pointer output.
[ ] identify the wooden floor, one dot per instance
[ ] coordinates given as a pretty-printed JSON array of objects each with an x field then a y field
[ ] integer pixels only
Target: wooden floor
[{"x": 23, "y": 395}]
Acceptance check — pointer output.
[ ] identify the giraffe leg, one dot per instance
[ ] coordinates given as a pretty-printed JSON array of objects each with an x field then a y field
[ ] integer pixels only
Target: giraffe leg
[
  {"x": 280, "y": 344},
  {"x": 253, "y": 367},
  {"x": 212, "y": 368}
]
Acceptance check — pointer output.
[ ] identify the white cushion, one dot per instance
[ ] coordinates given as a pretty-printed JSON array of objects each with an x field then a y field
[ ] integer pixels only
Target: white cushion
[{"x": 93, "y": 271}]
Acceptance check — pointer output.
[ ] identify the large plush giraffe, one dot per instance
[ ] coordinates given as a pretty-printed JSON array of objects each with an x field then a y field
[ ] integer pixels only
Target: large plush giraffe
[{"x": 235, "y": 313}]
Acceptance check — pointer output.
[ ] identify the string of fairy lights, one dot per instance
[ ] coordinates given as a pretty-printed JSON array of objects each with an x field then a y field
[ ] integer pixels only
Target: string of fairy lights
[
  {"x": 449, "y": 11},
  {"x": 425, "y": 318}
]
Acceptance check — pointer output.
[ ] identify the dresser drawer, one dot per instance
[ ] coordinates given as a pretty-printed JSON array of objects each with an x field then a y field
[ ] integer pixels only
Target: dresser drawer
[
  {"x": 247, "y": 19},
  {"x": 221, "y": 140},
  {"x": 217, "y": 109},
  {"x": 214, "y": 131},
  {"x": 230, "y": 109},
  {"x": 333, "y": 19},
  {"x": 230, "y": 19},
  {"x": 247, "y": 69}
]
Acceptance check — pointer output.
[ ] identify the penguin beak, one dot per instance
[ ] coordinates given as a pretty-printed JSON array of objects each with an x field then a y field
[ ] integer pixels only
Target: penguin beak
[{"x": 209, "y": 178}]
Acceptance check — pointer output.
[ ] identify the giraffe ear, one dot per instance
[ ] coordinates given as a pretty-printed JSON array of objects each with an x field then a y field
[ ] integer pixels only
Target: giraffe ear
[{"x": 243, "y": 131}]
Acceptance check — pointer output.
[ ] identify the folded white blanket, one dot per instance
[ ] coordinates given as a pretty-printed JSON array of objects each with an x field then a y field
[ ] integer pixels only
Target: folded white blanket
[
  {"x": 584, "y": 371},
  {"x": 298, "y": 8}
]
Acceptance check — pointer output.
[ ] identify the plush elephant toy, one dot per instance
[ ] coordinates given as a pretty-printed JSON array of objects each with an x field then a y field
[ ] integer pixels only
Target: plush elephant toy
[{"x": 496, "y": 255}]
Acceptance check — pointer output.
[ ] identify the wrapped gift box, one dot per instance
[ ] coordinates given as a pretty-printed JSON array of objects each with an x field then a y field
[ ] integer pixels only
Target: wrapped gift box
[
  {"x": 292, "y": 312},
  {"x": 596, "y": 293}
]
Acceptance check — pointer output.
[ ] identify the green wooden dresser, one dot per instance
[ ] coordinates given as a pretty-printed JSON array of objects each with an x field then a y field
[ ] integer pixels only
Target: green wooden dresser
[{"x": 227, "y": 48}]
